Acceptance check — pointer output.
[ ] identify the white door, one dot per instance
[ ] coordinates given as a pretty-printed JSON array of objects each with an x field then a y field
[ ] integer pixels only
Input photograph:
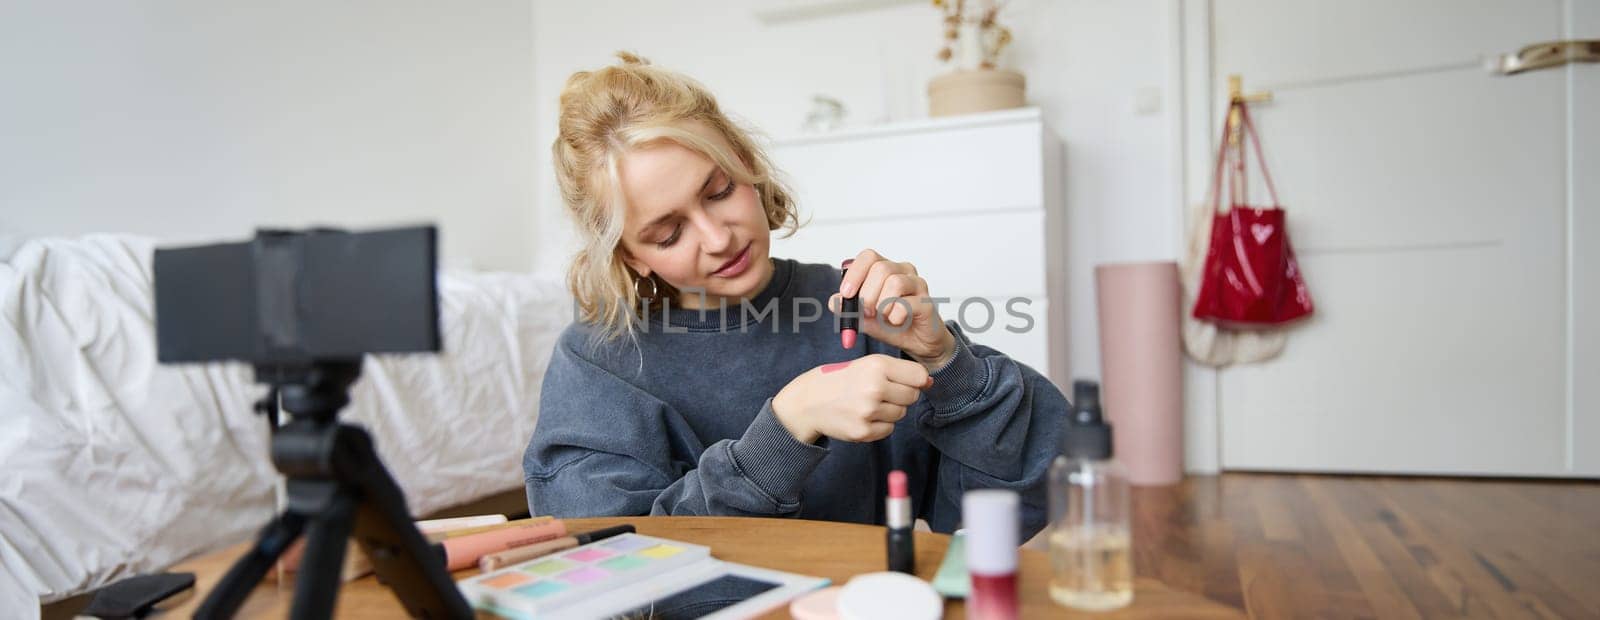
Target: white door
[{"x": 1438, "y": 219}]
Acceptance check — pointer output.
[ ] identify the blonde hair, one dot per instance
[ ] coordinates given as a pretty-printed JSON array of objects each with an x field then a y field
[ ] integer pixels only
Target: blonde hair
[{"x": 606, "y": 113}]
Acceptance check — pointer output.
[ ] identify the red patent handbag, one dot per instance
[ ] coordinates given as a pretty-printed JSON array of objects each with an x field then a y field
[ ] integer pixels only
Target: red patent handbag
[{"x": 1250, "y": 277}]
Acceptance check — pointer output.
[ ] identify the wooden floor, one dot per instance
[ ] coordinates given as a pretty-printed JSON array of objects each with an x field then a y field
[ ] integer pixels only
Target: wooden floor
[{"x": 1290, "y": 546}]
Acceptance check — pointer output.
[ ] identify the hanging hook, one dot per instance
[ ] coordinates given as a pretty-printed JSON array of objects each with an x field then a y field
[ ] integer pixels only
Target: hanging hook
[{"x": 1236, "y": 95}]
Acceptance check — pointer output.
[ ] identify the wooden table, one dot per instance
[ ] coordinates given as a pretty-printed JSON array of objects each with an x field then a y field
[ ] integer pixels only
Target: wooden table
[{"x": 837, "y": 551}]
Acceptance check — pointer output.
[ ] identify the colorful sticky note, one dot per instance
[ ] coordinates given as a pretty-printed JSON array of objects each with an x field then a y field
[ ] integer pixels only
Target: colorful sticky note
[
  {"x": 661, "y": 551},
  {"x": 624, "y": 563},
  {"x": 506, "y": 581},
  {"x": 540, "y": 589},
  {"x": 549, "y": 567},
  {"x": 588, "y": 554},
  {"x": 584, "y": 575}
]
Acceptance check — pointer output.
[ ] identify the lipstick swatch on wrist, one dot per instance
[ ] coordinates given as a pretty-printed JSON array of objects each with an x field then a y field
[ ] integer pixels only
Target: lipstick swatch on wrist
[{"x": 836, "y": 366}]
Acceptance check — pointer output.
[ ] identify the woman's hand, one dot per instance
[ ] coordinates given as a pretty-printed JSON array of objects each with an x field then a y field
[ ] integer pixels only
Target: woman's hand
[
  {"x": 857, "y": 400},
  {"x": 895, "y": 309}
]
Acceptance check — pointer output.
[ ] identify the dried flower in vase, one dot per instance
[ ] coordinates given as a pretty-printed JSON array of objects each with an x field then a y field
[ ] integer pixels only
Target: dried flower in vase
[{"x": 983, "y": 28}]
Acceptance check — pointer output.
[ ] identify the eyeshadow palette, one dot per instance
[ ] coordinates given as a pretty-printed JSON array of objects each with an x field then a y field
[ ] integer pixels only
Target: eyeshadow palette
[{"x": 624, "y": 573}]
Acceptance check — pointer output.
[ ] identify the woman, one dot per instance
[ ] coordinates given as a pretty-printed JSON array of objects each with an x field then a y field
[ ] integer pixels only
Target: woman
[{"x": 704, "y": 378}]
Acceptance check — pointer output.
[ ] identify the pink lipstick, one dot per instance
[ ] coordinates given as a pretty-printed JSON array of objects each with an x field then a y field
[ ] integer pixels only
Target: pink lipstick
[
  {"x": 902, "y": 549},
  {"x": 849, "y": 309}
]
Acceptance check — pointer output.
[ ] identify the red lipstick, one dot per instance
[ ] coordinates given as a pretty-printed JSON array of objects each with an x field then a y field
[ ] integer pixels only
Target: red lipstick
[{"x": 849, "y": 310}]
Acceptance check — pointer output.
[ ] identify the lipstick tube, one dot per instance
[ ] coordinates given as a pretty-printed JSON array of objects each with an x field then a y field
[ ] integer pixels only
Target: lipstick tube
[
  {"x": 902, "y": 548},
  {"x": 849, "y": 311}
]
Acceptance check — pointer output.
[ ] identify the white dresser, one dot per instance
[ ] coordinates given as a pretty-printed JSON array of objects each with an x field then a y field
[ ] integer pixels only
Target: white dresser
[{"x": 974, "y": 201}]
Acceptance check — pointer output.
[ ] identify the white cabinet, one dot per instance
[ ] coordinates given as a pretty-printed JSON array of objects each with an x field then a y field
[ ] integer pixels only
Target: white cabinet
[{"x": 974, "y": 201}]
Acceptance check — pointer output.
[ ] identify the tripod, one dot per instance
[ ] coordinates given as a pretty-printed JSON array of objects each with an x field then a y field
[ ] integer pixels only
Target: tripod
[{"x": 337, "y": 488}]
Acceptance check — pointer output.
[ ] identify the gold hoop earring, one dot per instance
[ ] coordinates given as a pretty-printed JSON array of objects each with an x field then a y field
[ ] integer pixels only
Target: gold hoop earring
[{"x": 654, "y": 289}]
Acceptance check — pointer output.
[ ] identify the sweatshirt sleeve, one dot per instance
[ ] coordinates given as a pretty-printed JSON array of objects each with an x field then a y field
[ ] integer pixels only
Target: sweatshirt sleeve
[
  {"x": 996, "y": 423},
  {"x": 603, "y": 447}
]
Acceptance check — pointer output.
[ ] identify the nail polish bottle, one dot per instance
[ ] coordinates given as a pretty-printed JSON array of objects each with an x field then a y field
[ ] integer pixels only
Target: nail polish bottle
[{"x": 991, "y": 520}]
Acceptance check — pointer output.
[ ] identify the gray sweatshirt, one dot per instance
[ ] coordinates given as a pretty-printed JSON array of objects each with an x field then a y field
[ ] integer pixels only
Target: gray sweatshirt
[{"x": 680, "y": 422}]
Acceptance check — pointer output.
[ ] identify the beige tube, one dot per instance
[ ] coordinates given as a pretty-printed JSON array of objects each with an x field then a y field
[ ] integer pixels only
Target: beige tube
[
  {"x": 464, "y": 551},
  {"x": 508, "y": 557}
]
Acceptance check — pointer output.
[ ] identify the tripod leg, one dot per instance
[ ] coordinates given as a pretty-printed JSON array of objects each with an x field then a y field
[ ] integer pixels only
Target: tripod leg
[
  {"x": 317, "y": 587},
  {"x": 403, "y": 559},
  {"x": 240, "y": 580}
]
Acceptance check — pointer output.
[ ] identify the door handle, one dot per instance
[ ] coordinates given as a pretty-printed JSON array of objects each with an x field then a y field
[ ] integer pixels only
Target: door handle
[{"x": 1544, "y": 56}]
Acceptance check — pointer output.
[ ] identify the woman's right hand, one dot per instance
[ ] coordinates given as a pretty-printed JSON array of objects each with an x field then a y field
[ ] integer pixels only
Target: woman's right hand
[{"x": 857, "y": 400}]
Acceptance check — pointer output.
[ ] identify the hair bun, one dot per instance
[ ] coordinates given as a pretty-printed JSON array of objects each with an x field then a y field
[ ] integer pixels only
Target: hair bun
[{"x": 630, "y": 58}]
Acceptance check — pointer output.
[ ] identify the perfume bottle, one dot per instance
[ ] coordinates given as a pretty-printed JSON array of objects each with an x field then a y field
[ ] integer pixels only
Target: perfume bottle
[{"x": 1091, "y": 553}]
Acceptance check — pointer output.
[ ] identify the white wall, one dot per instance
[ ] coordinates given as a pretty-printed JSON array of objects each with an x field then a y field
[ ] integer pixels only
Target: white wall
[
  {"x": 1084, "y": 60},
  {"x": 191, "y": 119},
  {"x": 194, "y": 120}
]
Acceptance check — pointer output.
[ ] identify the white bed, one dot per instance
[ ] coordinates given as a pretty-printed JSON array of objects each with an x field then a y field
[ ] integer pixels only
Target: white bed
[{"x": 112, "y": 465}]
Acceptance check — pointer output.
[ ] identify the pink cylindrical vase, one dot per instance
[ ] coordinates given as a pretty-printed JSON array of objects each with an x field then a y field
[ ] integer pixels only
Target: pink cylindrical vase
[{"x": 1141, "y": 363}]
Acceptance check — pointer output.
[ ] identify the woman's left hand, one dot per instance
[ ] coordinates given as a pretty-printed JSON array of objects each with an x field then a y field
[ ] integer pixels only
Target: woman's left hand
[{"x": 896, "y": 308}]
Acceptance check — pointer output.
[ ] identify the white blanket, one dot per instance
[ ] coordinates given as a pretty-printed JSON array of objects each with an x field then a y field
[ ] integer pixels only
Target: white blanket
[{"x": 112, "y": 465}]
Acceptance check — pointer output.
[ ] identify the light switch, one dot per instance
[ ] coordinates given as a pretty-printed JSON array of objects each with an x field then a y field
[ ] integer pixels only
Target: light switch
[{"x": 1147, "y": 101}]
